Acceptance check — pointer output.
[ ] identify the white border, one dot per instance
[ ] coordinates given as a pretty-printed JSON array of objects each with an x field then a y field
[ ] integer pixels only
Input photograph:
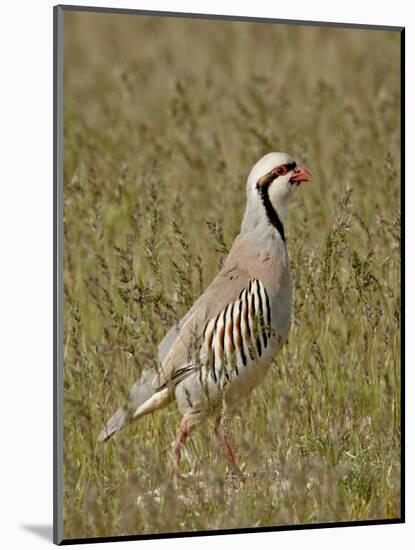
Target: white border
[{"x": 26, "y": 268}]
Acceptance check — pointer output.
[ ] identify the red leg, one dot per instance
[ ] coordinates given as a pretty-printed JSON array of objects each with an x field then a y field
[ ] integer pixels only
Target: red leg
[
  {"x": 228, "y": 450},
  {"x": 181, "y": 437}
]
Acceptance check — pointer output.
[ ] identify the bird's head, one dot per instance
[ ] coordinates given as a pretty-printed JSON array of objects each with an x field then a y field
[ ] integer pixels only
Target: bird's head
[
  {"x": 278, "y": 175},
  {"x": 271, "y": 182}
]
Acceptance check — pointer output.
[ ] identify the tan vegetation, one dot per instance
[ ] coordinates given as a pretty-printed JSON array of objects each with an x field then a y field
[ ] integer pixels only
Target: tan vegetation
[{"x": 163, "y": 120}]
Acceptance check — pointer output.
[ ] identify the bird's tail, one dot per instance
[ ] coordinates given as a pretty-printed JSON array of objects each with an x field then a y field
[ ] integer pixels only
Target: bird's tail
[{"x": 142, "y": 399}]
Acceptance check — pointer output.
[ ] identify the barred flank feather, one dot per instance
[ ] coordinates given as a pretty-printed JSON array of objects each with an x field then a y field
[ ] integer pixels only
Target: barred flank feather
[{"x": 239, "y": 327}]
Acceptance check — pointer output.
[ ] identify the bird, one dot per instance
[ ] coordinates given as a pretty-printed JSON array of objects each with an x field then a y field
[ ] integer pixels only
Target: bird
[{"x": 223, "y": 347}]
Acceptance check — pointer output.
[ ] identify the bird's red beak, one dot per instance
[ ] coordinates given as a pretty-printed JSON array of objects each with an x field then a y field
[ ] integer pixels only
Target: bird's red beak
[{"x": 300, "y": 174}]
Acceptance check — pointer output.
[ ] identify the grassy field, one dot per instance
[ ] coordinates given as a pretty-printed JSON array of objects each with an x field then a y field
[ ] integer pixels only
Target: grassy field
[{"x": 163, "y": 120}]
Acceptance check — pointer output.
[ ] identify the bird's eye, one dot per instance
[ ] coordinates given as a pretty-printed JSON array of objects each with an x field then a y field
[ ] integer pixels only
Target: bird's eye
[{"x": 280, "y": 170}]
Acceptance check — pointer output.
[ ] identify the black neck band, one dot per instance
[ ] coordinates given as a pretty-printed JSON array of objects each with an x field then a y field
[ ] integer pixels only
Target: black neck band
[
  {"x": 263, "y": 190},
  {"x": 272, "y": 215}
]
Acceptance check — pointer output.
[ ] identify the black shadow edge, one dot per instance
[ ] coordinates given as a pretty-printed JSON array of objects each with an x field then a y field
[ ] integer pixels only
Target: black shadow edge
[
  {"x": 247, "y": 530},
  {"x": 57, "y": 274},
  {"x": 403, "y": 146}
]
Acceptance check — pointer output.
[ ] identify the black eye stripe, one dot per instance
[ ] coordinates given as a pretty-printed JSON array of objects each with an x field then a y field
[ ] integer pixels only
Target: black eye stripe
[{"x": 290, "y": 166}]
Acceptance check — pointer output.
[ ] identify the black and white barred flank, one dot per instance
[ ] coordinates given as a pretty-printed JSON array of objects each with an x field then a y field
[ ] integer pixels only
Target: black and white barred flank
[{"x": 240, "y": 333}]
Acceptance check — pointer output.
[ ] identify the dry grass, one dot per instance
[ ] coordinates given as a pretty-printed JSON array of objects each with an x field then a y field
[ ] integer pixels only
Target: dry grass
[{"x": 163, "y": 120}]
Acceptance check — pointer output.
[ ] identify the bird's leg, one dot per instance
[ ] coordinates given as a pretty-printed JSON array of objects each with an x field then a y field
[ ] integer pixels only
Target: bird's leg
[
  {"x": 181, "y": 437},
  {"x": 221, "y": 432}
]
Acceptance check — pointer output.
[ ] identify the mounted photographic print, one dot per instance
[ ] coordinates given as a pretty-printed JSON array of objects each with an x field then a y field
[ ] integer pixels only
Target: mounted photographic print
[{"x": 228, "y": 197}]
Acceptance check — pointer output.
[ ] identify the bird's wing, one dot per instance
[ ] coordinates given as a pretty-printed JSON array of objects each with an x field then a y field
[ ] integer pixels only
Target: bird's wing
[
  {"x": 178, "y": 347},
  {"x": 170, "y": 337}
]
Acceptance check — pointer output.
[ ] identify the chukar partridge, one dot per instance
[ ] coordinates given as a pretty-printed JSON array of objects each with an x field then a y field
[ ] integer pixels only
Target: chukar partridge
[{"x": 224, "y": 345}]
